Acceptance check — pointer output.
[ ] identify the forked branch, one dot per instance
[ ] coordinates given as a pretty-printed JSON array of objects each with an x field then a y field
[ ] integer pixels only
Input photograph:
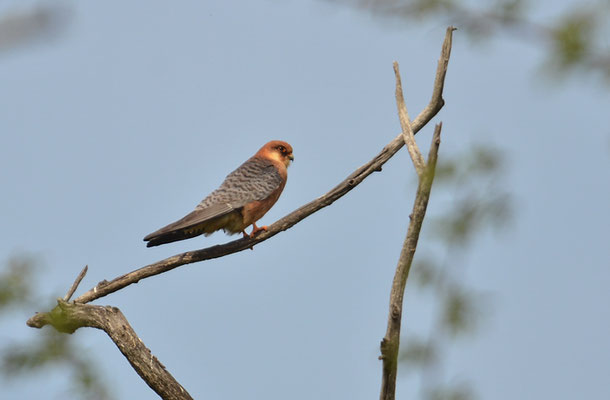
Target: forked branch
[
  {"x": 354, "y": 179},
  {"x": 67, "y": 317},
  {"x": 425, "y": 172}
]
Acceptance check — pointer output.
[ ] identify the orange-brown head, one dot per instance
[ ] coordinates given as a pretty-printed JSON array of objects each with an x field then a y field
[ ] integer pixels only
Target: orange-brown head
[{"x": 277, "y": 150}]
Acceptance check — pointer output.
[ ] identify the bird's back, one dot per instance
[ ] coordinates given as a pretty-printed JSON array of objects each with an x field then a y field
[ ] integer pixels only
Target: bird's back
[{"x": 255, "y": 180}]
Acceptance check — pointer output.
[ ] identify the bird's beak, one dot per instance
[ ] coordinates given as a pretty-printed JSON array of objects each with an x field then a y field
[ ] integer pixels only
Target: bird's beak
[{"x": 291, "y": 157}]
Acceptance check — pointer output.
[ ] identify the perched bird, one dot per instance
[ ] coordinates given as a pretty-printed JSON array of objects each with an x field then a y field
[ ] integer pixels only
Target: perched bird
[{"x": 243, "y": 198}]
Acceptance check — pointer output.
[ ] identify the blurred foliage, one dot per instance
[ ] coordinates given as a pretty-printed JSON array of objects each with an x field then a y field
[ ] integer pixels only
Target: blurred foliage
[
  {"x": 418, "y": 353},
  {"x": 458, "y": 391},
  {"x": 572, "y": 37},
  {"x": 469, "y": 198},
  {"x": 50, "y": 349},
  {"x": 460, "y": 311},
  {"x": 576, "y": 40},
  {"x": 476, "y": 194},
  {"x": 20, "y": 27},
  {"x": 14, "y": 283}
]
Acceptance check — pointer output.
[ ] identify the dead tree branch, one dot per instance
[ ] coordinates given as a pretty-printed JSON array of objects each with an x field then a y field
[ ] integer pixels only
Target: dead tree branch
[
  {"x": 68, "y": 317},
  {"x": 391, "y": 340},
  {"x": 77, "y": 281},
  {"x": 405, "y": 123},
  {"x": 436, "y": 103}
]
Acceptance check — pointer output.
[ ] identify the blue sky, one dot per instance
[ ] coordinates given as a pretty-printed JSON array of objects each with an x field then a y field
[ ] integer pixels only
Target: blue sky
[{"x": 125, "y": 122}]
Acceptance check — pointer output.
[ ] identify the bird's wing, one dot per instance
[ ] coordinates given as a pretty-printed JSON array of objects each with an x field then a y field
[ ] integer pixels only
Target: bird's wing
[
  {"x": 256, "y": 179},
  {"x": 192, "y": 219}
]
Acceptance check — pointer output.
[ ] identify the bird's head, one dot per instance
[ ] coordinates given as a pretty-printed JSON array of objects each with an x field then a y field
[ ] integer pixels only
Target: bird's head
[{"x": 277, "y": 150}]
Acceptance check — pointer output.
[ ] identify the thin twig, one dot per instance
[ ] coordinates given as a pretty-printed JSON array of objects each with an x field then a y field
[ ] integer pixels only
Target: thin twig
[
  {"x": 354, "y": 179},
  {"x": 405, "y": 124},
  {"x": 68, "y": 317},
  {"x": 76, "y": 283},
  {"x": 391, "y": 340}
]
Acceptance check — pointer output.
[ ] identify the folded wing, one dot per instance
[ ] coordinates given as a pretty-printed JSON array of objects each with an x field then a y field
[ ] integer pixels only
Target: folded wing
[{"x": 254, "y": 180}]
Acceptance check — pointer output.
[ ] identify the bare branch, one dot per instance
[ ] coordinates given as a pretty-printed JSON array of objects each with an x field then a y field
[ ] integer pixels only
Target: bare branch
[
  {"x": 77, "y": 281},
  {"x": 437, "y": 102},
  {"x": 433, "y": 152},
  {"x": 68, "y": 317},
  {"x": 405, "y": 123},
  {"x": 391, "y": 340},
  {"x": 354, "y": 179}
]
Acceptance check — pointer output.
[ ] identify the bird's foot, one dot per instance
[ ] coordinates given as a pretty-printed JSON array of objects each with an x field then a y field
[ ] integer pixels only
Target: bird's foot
[{"x": 256, "y": 229}]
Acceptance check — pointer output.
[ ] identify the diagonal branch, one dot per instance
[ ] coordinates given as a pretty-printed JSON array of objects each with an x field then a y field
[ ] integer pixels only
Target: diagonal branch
[
  {"x": 68, "y": 317},
  {"x": 436, "y": 103},
  {"x": 391, "y": 340},
  {"x": 405, "y": 124},
  {"x": 77, "y": 281}
]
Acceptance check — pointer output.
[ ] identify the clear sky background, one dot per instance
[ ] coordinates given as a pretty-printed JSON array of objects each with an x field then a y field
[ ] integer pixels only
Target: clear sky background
[{"x": 139, "y": 109}]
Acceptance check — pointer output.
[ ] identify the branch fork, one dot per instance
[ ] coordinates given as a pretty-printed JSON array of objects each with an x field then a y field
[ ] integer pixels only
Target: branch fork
[
  {"x": 69, "y": 316},
  {"x": 425, "y": 171}
]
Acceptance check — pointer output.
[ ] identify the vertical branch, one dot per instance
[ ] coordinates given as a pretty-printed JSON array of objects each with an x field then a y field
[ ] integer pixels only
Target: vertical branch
[{"x": 391, "y": 340}]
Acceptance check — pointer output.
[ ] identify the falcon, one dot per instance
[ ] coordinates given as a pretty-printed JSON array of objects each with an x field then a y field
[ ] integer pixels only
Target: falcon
[{"x": 242, "y": 199}]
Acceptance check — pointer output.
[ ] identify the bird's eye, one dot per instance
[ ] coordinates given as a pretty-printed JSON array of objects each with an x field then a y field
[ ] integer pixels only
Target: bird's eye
[{"x": 281, "y": 149}]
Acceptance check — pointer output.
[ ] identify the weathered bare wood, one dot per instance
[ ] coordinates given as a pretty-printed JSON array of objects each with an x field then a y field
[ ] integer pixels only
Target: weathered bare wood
[
  {"x": 391, "y": 340},
  {"x": 68, "y": 317},
  {"x": 354, "y": 179},
  {"x": 405, "y": 123},
  {"x": 77, "y": 281}
]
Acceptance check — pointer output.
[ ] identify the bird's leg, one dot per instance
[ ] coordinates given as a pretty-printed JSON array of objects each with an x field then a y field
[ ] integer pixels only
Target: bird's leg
[
  {"x": 246, "y": 236},
  {"x": 256, "y": 229}
]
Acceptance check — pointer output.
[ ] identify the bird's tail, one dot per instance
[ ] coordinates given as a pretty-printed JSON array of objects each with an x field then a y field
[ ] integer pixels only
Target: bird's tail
[
  {"x": 166, "y": 238},
  {"x": 168, "y": 235}
]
